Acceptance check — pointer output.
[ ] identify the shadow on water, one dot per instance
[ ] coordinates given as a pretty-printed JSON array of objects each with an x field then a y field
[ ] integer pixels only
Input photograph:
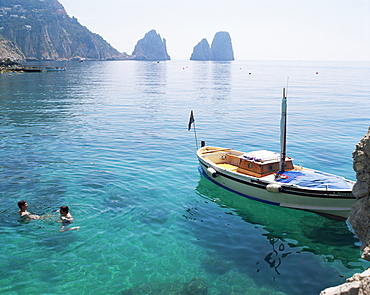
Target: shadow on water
[{"x": 266, "y": 242}]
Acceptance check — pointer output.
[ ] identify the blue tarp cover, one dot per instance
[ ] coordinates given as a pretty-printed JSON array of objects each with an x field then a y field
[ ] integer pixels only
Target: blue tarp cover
[{"x": 313, "y": 179}]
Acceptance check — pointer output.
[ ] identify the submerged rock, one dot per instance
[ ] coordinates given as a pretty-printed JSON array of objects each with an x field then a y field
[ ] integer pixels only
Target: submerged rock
[
  {"x": 217, "y": 265},
  {"x": 196, "y": 286}
]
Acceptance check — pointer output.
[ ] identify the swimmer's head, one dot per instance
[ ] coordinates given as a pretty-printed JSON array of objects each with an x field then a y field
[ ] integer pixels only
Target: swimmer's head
[
  {"x": 21, "y": 204},
  {"x": 64, "y": 209}
]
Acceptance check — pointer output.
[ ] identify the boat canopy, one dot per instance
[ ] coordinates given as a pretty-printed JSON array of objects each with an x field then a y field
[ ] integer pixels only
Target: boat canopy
[{"x": 313, "y": 179}]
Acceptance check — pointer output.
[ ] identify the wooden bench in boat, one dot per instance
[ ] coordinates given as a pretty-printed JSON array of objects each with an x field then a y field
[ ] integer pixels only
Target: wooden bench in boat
[{"x": 233, "y": 160}]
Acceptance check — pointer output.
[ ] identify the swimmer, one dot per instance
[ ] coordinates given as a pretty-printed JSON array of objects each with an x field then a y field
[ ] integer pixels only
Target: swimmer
[
  {"x": 24, "y": 214},
  {"x": 66, "y": 219}
]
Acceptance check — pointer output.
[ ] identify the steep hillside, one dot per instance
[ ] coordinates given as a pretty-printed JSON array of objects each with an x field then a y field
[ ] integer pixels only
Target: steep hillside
[{"x": 42, "y": 30}]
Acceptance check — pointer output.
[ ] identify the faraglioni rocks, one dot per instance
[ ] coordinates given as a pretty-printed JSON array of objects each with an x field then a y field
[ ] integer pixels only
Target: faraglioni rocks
[
  {"x": 220, "y": 50},
  {"x": 201, "y": 51},
  {"x": 359, "y": 218},
  {"x": 151, "y": 47}
]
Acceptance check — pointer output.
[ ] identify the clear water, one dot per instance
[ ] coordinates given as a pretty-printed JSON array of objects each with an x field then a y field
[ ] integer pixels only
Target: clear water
[{"x": 110, "y": 140}]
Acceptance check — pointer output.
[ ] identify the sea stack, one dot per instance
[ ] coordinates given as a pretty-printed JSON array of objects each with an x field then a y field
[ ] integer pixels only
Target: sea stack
[
  {"x": 201, "y": 51},
  {"x": 220, "y": 50},
  {"x": 151, "y": 47}
]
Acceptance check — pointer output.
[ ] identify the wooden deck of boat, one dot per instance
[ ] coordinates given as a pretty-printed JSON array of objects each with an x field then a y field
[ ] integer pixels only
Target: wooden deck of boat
[{"x": 228, "y": 166}]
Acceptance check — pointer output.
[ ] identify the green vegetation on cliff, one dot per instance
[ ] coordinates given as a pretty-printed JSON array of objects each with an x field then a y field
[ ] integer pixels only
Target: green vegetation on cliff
[{"x": 42, "y": 30}]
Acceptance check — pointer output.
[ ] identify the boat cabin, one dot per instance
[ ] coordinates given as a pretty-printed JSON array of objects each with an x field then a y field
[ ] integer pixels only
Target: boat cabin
[{"x": 258, "y": 163}]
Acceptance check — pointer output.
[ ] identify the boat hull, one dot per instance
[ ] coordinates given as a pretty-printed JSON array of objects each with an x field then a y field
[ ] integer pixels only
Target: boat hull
[{"x": 331, "y": 203}]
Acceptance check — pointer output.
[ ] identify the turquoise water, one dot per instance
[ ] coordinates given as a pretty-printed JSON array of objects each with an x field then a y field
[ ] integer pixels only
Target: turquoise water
[{"x": 110, "y": 140}]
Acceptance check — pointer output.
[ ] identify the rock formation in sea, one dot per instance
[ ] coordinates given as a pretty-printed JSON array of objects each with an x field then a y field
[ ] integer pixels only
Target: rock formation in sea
[
  {"x": 221, "y": 48},
  {"x": 359, "y": 219},
  {"x": 151, "y": 47},
  {"x": 201, "y": 51},
  {"x": 197, "y": 286}
]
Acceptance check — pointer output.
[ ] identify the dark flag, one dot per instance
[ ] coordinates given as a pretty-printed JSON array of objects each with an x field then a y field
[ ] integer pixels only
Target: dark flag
[{"x": 191, "y": 120}]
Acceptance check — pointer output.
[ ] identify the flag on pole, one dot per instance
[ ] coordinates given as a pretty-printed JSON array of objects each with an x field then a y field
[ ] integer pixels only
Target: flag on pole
[{"x": 191, "y": 120}]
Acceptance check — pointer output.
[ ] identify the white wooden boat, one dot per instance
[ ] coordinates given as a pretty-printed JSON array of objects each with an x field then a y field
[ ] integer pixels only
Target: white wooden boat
[{"x": 272, "y": 178}]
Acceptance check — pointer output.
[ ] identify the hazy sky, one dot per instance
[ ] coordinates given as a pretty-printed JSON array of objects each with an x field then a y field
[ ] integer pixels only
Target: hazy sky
[{"x": 259, "y": 29}]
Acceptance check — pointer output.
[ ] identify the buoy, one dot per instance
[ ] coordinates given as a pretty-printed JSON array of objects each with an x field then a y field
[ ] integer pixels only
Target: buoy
[
  {"x": 273, "y": 188},
  {"x": 212, "y": 171}
]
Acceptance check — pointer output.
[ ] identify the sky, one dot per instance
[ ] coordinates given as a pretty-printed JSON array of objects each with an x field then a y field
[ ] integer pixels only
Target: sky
[{"x": 259, "y": 29}]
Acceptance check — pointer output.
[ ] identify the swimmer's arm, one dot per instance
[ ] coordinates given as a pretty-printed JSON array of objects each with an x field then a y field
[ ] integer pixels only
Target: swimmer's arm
[{"x": 33, "y": 216}]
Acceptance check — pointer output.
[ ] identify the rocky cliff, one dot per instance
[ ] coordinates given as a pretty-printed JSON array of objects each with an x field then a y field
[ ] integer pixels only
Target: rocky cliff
[
  {"x": 201, "y": 51},
  {"x": 151, "y": 47},
  {"x": 220, "y": 50},
  {"x": 42, "y": 30},
  {"x": 359, "y": 219},
  {"x": 360, "y": 211}
]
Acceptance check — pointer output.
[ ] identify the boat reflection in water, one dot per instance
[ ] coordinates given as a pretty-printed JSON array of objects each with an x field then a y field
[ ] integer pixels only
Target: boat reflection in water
[{"x": 292, "y": 249}]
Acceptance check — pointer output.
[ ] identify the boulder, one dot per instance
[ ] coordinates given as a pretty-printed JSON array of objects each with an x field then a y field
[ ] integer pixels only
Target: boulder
[
  {"x": 151, "y": 47},
  {"x": 358, "y": 284}
]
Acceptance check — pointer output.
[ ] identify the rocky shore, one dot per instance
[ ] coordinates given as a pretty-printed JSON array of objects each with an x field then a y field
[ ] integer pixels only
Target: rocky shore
[
  {"x": 7, "y": 65},
  {"x": 359, "y": 283}
]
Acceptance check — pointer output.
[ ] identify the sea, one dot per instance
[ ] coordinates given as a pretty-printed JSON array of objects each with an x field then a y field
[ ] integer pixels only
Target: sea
[{"x": 110, "y": 140}]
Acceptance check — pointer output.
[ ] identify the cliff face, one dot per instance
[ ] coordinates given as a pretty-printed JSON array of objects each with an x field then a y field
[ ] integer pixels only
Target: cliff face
[
  {"x": 220, "y": 50},
  {"x": 9, "y": 50},
  {"x": 151, "y": 47},
  {"x": 42, "y": 30},
  {"x": 360, "y": 211},
  {"x": 359, "y": 219}
]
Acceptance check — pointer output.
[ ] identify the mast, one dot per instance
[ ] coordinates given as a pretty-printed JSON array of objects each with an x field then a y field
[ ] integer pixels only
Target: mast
[{"x": 283, "y": 132}]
